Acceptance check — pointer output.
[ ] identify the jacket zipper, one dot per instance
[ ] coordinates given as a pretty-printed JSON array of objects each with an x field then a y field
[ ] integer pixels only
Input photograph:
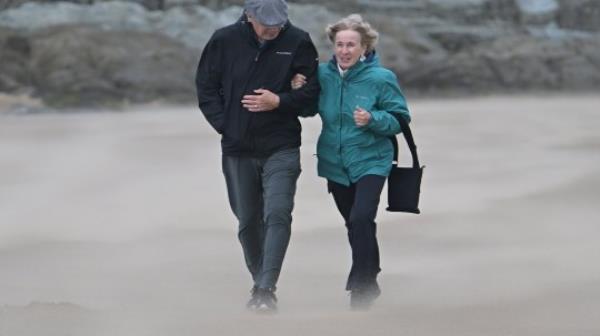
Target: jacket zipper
[
  {"x": 251, "y": 73},
  {"x": 341, "y": 114},
  {"x": 341, "y": 122}
]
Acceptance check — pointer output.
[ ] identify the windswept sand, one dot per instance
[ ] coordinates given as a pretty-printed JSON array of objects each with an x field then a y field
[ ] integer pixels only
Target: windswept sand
[{"x": 116, "y": 223}]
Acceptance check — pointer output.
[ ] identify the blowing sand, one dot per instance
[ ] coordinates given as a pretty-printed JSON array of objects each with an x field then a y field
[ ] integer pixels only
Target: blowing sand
[{"x": 117, "y": 223}]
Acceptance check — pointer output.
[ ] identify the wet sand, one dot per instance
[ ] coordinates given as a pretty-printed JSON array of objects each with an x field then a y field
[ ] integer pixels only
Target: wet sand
[{"x": 117, "y": 223}]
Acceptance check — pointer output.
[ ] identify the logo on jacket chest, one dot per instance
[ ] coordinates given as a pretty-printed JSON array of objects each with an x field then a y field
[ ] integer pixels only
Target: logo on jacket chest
[
  {"x": 364, "y": 101},
  {"x": 284, "y": 53}
]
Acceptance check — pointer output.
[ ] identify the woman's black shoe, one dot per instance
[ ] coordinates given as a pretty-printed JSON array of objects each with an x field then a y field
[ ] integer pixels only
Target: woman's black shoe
[{"x": 363, "y": 298}]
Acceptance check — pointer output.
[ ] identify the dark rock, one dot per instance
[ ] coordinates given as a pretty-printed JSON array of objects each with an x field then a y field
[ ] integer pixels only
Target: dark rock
[
  {"x": 6, "y": 4},
  {"x": 514, "y": 63},
  {"x": 149, "y": 4},
  {"x": 579, "y": 15},
  {"x": 78, "y": 65},
  {"x": 15, "y": 52},
  {"x": 503, "y": 10},
  {"x": 537, "y": 12}
]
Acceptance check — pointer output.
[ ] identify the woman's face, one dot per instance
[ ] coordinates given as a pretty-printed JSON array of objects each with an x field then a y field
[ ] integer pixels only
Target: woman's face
[{"x": 348, "y": 48}]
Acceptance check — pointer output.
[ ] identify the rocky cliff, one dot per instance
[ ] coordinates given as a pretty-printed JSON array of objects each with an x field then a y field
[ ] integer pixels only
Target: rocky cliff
[{"x": 90, "y": 52}]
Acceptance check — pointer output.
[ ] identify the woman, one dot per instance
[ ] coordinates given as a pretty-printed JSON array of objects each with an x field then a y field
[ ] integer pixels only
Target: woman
[{"x": 359, "y": 105}]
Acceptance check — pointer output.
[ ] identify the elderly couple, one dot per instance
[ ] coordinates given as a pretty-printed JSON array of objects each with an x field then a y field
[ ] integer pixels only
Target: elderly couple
[{"x": 254, "y": 79}]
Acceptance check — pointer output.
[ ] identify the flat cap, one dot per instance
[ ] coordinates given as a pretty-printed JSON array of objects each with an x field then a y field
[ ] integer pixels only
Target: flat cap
[{"x": 268, "y": 12}]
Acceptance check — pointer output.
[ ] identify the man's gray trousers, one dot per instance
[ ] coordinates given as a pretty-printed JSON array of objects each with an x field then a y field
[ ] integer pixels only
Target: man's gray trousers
[{"x": 261, "y": 194}]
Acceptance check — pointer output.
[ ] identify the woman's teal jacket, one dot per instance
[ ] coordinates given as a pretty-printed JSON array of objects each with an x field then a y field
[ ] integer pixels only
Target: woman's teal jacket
[{"x": 345, "y": 151}]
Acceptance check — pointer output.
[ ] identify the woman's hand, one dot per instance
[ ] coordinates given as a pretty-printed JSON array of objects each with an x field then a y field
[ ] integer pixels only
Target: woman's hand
[
  {"x": 298, "y": 81},
  {"x": 361, "y": 116}
]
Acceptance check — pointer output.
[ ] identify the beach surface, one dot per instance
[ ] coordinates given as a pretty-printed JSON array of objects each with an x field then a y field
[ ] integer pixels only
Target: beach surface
[{"x": 117, "y": 223}]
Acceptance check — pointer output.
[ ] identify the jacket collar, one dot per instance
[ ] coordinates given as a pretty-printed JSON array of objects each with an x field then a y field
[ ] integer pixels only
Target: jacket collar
[{"x": 370, "y": 60}]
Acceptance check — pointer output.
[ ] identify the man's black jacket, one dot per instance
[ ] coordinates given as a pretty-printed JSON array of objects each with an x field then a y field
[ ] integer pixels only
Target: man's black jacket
[{"x": 234, "y": 64}]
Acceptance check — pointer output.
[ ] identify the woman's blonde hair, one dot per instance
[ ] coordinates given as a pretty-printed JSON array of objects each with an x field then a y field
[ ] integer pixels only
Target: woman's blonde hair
[{"x": 368, "y": 35}]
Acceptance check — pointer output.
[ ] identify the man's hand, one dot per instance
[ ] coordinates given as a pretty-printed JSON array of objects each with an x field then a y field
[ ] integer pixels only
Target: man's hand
[{"x": 263, "y": 101}]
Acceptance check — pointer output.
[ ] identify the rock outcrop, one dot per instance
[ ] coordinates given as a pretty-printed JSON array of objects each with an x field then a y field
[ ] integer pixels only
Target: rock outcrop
[
  {"x": 82, "y": 66},
  {"x": 94, "y": 52}
]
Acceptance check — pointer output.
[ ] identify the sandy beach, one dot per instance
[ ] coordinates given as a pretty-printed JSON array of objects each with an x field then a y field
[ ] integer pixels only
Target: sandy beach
[{"x": 117, "y": 223}]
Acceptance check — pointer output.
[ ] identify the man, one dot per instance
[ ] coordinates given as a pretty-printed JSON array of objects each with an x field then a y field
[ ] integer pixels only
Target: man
[{"x": 243, "y": 83}]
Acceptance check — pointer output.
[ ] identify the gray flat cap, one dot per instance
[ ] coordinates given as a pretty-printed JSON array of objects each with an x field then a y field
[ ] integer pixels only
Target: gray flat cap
[{"x": 268, "y": 12}]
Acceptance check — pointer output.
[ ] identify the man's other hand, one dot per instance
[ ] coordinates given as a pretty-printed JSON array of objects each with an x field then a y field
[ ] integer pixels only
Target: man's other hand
[{"x": 262, "y": 101}]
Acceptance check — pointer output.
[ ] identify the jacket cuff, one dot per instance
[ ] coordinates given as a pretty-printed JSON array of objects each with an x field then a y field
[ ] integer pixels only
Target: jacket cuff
[
  {"x": 285, "y": 101},
  {"x": 374, "y": 120}
]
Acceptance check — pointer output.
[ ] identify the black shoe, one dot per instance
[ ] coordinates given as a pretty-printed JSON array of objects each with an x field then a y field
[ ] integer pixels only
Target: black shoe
[
  {"x": 364, "y": 297},
  {"x": 253, "y": 302},
  {"x": 267, "y": 301}
]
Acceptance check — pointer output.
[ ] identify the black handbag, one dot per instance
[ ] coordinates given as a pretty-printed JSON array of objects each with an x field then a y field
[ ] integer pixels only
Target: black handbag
[{"x": 404, "y": 183}]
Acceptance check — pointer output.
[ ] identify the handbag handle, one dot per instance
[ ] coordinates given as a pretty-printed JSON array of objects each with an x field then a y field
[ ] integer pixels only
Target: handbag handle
[{"x": 409, "y": 140}]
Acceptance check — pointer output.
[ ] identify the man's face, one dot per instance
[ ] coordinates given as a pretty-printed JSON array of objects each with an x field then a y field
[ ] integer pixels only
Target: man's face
[{"x": 264, "y": 33}]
